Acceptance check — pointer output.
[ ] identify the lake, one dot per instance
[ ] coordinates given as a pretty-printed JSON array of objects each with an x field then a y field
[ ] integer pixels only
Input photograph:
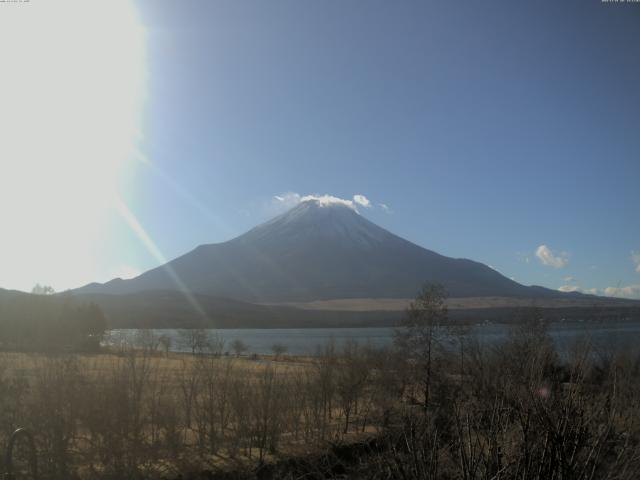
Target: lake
[{"x": 305, "y": 341}]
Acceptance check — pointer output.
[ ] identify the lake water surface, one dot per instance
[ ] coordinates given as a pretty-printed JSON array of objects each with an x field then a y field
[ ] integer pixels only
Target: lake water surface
[{"x": 305, "y": 341}]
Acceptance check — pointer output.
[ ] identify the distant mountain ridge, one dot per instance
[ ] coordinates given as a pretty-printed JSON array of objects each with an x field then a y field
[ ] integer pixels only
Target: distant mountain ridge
[{"x": 319, "y": 251}]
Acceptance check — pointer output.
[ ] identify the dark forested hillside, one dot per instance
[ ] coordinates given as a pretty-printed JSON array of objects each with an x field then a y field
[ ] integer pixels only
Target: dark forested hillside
[{"x": 46, "y": 322}]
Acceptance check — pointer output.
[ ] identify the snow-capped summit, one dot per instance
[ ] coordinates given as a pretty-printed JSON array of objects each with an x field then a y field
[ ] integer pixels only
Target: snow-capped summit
[{"x": 313, "y": 220}]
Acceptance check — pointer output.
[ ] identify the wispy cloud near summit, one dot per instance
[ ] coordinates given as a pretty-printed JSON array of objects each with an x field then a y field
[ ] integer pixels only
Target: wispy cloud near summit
[
  {"x": 291, "y": 199},
  {"x": 362, "y": 200},
  {"x": 551, "y": 259}
]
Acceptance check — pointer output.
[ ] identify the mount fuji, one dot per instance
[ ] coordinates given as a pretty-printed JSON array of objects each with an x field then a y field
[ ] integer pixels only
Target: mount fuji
[{"x": 314, "y": 252}]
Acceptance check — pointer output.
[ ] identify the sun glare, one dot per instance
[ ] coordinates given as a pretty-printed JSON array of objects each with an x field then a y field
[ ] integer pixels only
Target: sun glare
[{"x": 70, "y": 114}]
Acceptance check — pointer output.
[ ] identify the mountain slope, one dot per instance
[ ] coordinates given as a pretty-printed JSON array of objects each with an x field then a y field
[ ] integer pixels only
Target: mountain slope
[{"x": 317, "y": 252}]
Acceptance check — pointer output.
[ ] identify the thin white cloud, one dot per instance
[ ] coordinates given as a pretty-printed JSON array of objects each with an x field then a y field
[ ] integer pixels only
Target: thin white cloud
[
  {"x": 569, "y": 279},
  {"x": 635, "y": 258},
  {"x": 285, "y": 201},
  {"x": 576, "y": 288},
  {"x": 385, "y": 207},
  {"x": 362, "y": 200},
  {"x": 551, "y": 259},
  {"x": 288, "y": 200},
  {"x": 630, "y": 291},
  {"x": 569, "y": 288},
  {"x": 326, "y": 200}
]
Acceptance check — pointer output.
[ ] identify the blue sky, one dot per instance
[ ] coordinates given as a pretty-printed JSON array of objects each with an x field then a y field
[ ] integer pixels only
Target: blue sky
[{"x": 489, "y": 129}]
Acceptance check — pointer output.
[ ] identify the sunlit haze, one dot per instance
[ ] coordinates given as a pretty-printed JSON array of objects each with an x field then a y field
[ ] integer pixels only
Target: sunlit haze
[{"x": 73, "y": 75}]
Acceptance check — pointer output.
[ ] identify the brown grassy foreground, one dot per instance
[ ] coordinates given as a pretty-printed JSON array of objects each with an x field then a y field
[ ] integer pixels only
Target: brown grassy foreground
[
  {"x": 465, "y": 411},
  {"x": 143, "y": 414}
]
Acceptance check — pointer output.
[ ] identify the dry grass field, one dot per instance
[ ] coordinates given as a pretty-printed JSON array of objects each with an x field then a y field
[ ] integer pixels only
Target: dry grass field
[
  {"x": 438, "y": 408},
  {"x": 143, "y": 414}
]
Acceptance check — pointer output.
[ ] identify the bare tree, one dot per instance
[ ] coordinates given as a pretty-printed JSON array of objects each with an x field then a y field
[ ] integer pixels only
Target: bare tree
[
  {"x": 239, "y": 347},
  {"x": 420, "y": 333},
  {"x": 351, "y": 379},
  {"x": 278, "y": 349},
  {"x": 196, "y": 339},
  {"x": 165, "y": 341},
  {"x": 147, "y": 340},
  {"x": 215, "y": 344}
]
